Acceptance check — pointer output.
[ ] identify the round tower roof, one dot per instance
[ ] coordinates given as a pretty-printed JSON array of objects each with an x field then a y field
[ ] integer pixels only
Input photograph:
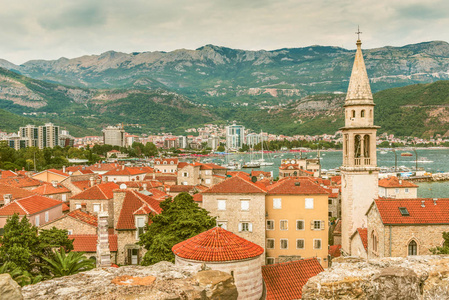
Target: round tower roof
[{"x": 217, "y": 244}]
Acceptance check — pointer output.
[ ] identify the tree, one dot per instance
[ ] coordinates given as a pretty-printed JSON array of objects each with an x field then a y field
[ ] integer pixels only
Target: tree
[
  {"x": 63, "y": 264},
  {"x": 18, "y": 242},
  {"x": 221, "y": 149},
  {"x": 181, "y": 219},
  {"x": 445, "y": 248},
  {"x": 50, "y": 239}
]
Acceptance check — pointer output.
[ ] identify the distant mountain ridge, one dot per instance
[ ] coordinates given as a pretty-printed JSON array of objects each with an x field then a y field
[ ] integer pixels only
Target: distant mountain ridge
[{"x": 213, "y": 74}]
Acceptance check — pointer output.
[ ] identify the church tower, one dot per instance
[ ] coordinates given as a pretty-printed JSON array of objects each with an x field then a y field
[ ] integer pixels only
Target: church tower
[{"x": 359, "y": 172}]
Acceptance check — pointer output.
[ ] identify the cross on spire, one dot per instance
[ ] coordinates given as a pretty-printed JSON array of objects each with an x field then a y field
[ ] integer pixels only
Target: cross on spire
[{"x": 358, "y": 32}]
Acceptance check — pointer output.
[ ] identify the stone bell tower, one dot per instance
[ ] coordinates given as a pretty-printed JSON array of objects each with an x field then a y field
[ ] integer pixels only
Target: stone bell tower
[{"x": 359, "y": 172}]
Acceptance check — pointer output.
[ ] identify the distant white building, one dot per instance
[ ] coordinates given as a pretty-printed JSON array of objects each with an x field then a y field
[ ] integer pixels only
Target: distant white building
[{"x": 235, "y": 136}]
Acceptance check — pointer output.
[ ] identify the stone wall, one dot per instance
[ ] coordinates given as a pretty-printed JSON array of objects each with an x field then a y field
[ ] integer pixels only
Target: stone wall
[
  {"x": 417, "y": 277},
  {"x": 157, "y": 282},
  {"x": 70, "y": 223}
]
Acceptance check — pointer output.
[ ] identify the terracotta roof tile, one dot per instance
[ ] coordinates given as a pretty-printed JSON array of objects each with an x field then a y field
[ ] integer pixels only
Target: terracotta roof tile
[
  {"x": 363, "y": 232},
  {"x": 198, "y": 197},
  {"x": 158, "y": 194},
  {"x": 88, "y": 242},
  {"x": 102, "y": 191},
  {"x": 82, "y": 185},
  {"x": 258, "y": 173},
  {"x": 181, "y": 188},
  {"x": 237, "y": 173},
  {"x": 217, "y": 244},
  {"x": 49, "y": 189},
  {"x": 417, "y": 214},
  {"x": 235, "y": 185},
  {"x": 16, "y": 192},
  {"x": 103, "y": 167},
  {"x": 8, "y": 173},
  {"x": 59, "y": 172},
  {"x": 20, "y": 181},
  {"x": 284, "y": 281},
  {"x": 65, "y": 207},
  {"x": 334, "y": 250},
  {"x": 394, "y": 182},
  {"x": 29, "y": 205},
  {"x": 337, "y": 229},
  {"x": 128, "y": 171},
  {"x": 132, "y": 203},
  {"x": 289, "y": 186}
]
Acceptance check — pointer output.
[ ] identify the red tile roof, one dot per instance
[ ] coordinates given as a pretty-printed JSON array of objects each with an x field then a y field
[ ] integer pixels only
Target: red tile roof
[
  {"x": 59, "y": 172},
  {"x": 158, "y": 194},
  {"x": 217, "y": 244},
  {"x": 183, "y": 164},
  {"x": 49, "y": 189},
  {"x": 80, "y": 215},
  {"x": 337, "y": 229},
  {"x": 65, "y": 207},
  {"x": 284, "y": 281},
  {"x": 8, "y": 173},
  {"x": 180, "y": 188},
  {"x": 102, "y": 191},
  {"x": 125, "y": 172},
  {"x": 16, "y": 192},
  {"x": 133, "y": 203},
  {"x": 237, "y": 173},
  {"x": 82, "y": 185},
  {"x": 394, "y": 182},
  {"x": 211, "y": 167},
  {"x": 198, "y": 197},
  {"x": 334, "y": 250},
  {"x": 429, "y": 214},
  {"x": 258, "y": 173},
  {"x": 20, "y": 181},
  {"x": 168, "y": 160},
  {"x": 235, "y": 185},
  {"x": 103, "y": 167},
  {"x": 289, "y": 186},
  {"x": 29, "y": 205},
  {"x": 88, "y": 242},
  {"x": 363, "y": 232}
]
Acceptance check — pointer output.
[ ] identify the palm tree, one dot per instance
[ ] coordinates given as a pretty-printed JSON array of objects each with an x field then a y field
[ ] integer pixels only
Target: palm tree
[
  {"x": 21, "y": 277},
  {"x": 63, "y": 264}
]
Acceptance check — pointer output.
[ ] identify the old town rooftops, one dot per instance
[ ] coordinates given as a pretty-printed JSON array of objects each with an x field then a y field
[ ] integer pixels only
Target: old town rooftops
[{"x": 394, "y": 182}]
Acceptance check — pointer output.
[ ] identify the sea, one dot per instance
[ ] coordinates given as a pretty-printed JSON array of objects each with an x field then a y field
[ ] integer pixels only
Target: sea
[{"x": 431, "y": 160}]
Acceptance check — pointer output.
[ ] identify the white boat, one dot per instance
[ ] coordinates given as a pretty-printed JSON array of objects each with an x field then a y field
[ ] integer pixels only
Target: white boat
[
  {"x": 262, "y": 161},
  {"x": 383, "y": 152},
  {"x": 251, "y": 164},
  {"x": 424, "y": 160}
]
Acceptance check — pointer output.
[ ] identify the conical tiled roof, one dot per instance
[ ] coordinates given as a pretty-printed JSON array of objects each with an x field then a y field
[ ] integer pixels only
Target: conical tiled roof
[
  {"x": 217, "y": 244},
  {"x": 359, "y": 90}
]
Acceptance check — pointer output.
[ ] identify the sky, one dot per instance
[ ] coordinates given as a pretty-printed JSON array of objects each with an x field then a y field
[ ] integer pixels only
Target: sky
[{"x": 50, "y": 29}]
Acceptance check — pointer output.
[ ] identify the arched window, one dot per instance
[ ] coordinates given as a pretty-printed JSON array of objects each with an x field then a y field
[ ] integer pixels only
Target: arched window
[
  {"x": 353, "y": 113},
  {"x": 374, "y": 240},
  {"x": 412, "y": 248},
  {"x": 370, "y": 113},
  {"x": 366, "y": 145},
  {"x": 357, "y": 146},
  {"x": 165, "y": 162},
  {"x": 362, "y": 113}
]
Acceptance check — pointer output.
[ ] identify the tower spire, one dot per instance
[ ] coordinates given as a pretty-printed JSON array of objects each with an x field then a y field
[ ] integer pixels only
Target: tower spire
[{"x": 359, "y": 90}]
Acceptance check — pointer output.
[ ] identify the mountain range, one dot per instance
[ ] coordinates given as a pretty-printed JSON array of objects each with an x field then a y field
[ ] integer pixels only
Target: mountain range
[{"x": 285, "y": 91}]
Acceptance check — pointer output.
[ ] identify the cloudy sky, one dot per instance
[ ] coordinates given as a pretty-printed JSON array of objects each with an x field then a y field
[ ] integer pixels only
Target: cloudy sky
[{"x": 50, "y": 29}]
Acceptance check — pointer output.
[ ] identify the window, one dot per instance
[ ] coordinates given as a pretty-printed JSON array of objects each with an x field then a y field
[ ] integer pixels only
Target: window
[
  {"x": 412, "y": 248},
  {"x": 221, "y": 204},
  {"x": 299, "y": 244},
  {"x": 172, "y": 162},
  {"x": 165, "y": 162},
  {"x": 222, "y": 224},
  {"x": 64, "y": 197},
  {"x": 207, "y": 181},
  {"x": 317, "y": 225},
  {"x": 362, "y": 113},
  {"x": 404, "y": 211},
  {"x": 374, "y": 242},
  {"x": 396, "y": 191},
  {"x": 317, "y": 244},
  {"x": 329, "y": 201},
  {"x": 284, "y": 244},
  {"x": 69, "y": 231},
  {"x": 299, "y": 224},
  {"x": 208, "y": 172},
  {"x": 277, "y": 204},
  {"x": 36, "y": 221},
  {"x": 140, "y": 225},
  {"x": 330, "y": 214},
  {"x": 270, "y": 260},
  {"x": 270, "y": 243},
  {"x": 406, "y": 190},
  {"x": 270, "y": 224},
  {"x": 309, "y": 203},
  {"x": 283, "y": 225},
  {"x": 185, "y": 174},
  {"x": 244, "y": 204},
  {"x": 353, "y": 113},
  {"x": 245, "y": 226},
  {"x": 96, "y": 208},
  {"x": 77, "y": 206},
  {"x": 46, "y": 216}
]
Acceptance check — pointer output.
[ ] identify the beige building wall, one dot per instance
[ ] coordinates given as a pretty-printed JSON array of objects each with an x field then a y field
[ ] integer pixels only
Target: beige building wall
[
  {"x": 398, "y": 193},
  {"x": 233, "y": 215},
  {"x": 53, "y": 213},
  {"x": 189, "y": 175},
  {"x": 357, "y": 248},
  {"x": 293, "y": 210},
  {"x": 105, "y": 205},
  {"x": 247, "y": 274}
]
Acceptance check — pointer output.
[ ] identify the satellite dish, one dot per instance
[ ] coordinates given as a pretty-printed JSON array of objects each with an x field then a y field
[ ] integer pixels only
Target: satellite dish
[
  {"x": 123, "y": 186},
  {"x": 293, "y": 161},
  {"x": 254, "y": 179}
]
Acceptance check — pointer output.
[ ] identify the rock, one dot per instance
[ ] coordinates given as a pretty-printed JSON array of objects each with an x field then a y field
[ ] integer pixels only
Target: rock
[
  {"x": 161, "y": 281},
  {"x": 413, "y": 277},
  {"x": 9, "y": 289}
]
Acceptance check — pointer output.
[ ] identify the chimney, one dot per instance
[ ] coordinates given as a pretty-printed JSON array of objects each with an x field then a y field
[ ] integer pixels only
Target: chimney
[
  {"x": 154, "y": 175},
  {"x": 103, "y": 251},
  {"x": 84, "y": 206},
  {"x": 144, "y": 186},
  {"x": 422, "y": 203},
  {"x": 435, "y": 201},
  {"x": 63, "y": 169},
  {"x": 7, "y": 198},
  {"x": 123, "y": 167},
  {"x": 105, "y": 179},
  {"x": 92, "y": 181},
  {"x": 400, "y": 181},
  {"x": 54, "y": 183}
]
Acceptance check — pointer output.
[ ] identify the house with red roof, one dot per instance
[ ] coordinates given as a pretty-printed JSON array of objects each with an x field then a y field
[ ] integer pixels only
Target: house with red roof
[
  {"x": 239, "y": 206},
  {"x": 166, "y": 165},
  {"x": 393, "y": 187},
  {"x": 38, "y": 209},
  {"x": 53, "y": 190},
  {"x": 262, "y": 175},
  {"x": 284, "y": 281},
  {"x": 102, "y": 168},
  {"x": 50, "y": 175},
  {"x": 9, "y": 193},
  {"x": 405, "y": 227},
  {"x": 359, "y": 243},
  {"x": 125, "y": 174},
  {"x": 95, "y": 199},
  {"x": 87, "y": 243},
  {"x": 75, "y": 222},
  {"x": 131, "y": 213},
  {"x": 296, "y": 214},
  {"x": 220, "y": 249},
  {"x": 200, "y": 173},
  {"x": 23, "y": 182},
  {"x": 8, "y": 173},
  {"x": 300, "y": 167}
]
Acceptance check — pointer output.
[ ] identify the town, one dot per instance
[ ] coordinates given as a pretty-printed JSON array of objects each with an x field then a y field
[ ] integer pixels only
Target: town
[{"x": 263, "y": 230}]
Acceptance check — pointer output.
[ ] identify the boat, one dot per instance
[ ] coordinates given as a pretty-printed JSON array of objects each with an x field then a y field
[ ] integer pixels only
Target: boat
[
  {"x": 406, "y": 154},
  {"x": 262, "y": 161},
  {"x": 251, "y": 164},
  {"x": 424, "y": 160},
  {"x": 383, "y": 152}
]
